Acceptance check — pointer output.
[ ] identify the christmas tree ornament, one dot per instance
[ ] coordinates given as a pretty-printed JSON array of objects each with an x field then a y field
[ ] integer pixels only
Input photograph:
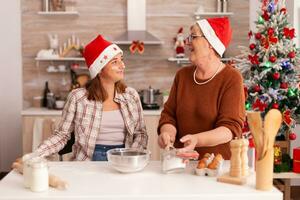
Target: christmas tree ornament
[
  {"x": 292, "y": 136},
  {"x": 271, "y": 7},
  {"x": 265, "y": 16},
  {"x": 268, "y": 64},
  {"x": 291, "y": 92},
  {"x": 270, "y": 32},
  {"x": 272, "y": 59},
  {"x": 275, "y": 105},
  {"x": 248, "y": 106},
  {"x": 250, "y": 34},
  {"x": 258, "y": 36},
  {"x": 292, "y": 55},
  {"x": 283, "y": 10},
  {"x": 254, "y": 59},
  {"x": 261, "y": 20},
  {"x": 283, "y": 85},
  {"x": 287, "y": 118},
  {"x": 257, "y": 88},
  {"x": 273, "y": 40},
  {"x": 252, "y": 46},
  {"x": 286, "y": 65},
  {"x": 260, "y": 105},
  {"x": 276, "y": 75},
  {"x": 289, "y": 33}
]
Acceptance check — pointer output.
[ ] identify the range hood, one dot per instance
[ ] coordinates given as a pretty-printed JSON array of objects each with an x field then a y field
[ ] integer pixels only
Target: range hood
[{"x": 136, "y": 25}]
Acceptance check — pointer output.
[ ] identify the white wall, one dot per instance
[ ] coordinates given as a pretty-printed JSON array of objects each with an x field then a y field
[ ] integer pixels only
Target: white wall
[{"x": 10, "y": 83}]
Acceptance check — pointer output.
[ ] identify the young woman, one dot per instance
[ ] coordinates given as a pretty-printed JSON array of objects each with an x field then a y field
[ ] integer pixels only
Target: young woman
[{"x": 105, "y": 114}]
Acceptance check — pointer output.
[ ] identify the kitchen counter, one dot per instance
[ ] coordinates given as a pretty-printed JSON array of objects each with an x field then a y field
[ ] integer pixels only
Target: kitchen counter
[
  {"x": 45, "y": 111},
  {"x": 96, "y": 180}
]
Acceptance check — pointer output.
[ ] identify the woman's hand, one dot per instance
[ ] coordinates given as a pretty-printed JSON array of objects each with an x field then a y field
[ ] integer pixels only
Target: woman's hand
[
  {"x": 166, "y": 139},
  {"x": 189, "y": 141}
]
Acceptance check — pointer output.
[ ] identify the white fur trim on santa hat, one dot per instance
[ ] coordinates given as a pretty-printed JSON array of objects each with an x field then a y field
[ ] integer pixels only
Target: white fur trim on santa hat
[
  {"x": 211, "y": 36},
  {"x": 107, "y": 54}
]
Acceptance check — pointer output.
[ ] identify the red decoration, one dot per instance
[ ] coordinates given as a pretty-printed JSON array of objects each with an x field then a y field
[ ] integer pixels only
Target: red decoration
[
  {"x": 257, "y": 88},
  {"x": 252, "y": 46},
  {"x": 292, "y": 136},
  {"x": 266, "y": 16},
  {"x": 292, "y": 55},
  {"x": 276, "y": 75},
  {"x": 137, "y": 46},
  {"x": 258, "y": 36},
  {"x": 296, "y": 160},
  {"x": 272, "y": 59},
  {"x": 270, "y": 32},
  {"x": 246, "y": 92},
  {"x": 260, "y": 105},
  {"x": 250, "y": 34},
  {"x": 289, "y": 33},
  {"x": 264, "y": 42},
  {"x": 254, "y": 59},
  {"x": 283, "y": 10},
  {"x": 275, "y": 105},
  {"x": 287, "y": 117},
  {"x": 273, "y": 40},
  {"x": 283, "y": 85}
]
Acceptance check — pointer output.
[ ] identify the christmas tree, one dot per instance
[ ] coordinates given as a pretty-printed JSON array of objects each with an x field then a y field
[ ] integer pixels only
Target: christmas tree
[{"x": 273, "y": 63}]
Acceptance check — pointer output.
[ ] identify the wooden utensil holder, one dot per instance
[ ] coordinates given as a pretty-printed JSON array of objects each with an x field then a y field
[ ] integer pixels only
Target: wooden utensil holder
[{"x": 264, "y": 171}]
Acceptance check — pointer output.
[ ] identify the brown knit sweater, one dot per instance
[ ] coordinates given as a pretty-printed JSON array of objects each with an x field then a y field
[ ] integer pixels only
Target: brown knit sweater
[{"x": 193, "y": 108}]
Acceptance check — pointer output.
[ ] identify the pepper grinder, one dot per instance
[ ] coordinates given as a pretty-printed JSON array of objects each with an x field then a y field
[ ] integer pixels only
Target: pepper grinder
[
  {"x": 244, "y": 157},
  {"x": 235, "y": 160}
]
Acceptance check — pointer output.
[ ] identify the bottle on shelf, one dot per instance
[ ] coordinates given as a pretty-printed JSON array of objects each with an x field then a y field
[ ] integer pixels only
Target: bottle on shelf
[
  {"x": 219, "y": 6},
  {"x": 46, "y": 92},
  {"x": 224, "y": 6}
]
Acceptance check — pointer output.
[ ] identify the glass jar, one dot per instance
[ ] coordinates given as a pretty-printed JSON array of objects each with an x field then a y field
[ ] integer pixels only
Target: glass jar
[
  {"x": 27, "y": 169},
  {"x": 39, "y": 175}
]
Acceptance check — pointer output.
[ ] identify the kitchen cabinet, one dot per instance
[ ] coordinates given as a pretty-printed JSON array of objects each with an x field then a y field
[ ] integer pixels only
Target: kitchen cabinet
[
  {"x": 30, "y": 116},
  {"x": 97, "y": 180}
]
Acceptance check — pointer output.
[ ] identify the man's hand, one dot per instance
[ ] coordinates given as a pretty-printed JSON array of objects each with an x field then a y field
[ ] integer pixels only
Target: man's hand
[
  {"x": 166, "y": 139},
  {"x": 189, "y": 141}
]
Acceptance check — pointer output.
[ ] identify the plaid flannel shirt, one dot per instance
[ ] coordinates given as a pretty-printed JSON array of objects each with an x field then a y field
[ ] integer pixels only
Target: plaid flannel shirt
[{"x": 84, "y": 118}]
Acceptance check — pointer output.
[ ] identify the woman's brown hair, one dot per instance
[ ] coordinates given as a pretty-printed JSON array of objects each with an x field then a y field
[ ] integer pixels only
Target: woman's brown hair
[{"x": 97, "y": 92}]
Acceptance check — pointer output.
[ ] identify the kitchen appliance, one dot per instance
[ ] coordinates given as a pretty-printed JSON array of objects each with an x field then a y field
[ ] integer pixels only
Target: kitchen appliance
[
  {"x": 136, "y": 25},
  {"x": 151, "y": 98},
  {"x": 128, "y": 160}
]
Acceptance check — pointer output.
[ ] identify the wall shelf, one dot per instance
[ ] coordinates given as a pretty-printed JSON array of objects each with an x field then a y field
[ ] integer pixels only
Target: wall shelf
[
  {"x": 185, "y": 60},
  {"x": 60, "y": 59},
  {"x": 58, "y": 13},
  {"x": 199, "y": 14}
]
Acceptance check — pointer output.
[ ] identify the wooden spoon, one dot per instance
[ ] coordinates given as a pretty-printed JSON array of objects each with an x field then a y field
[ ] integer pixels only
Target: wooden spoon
[
  {"x": 255, "y": 125},
  {"x": 272, "y": 123}
]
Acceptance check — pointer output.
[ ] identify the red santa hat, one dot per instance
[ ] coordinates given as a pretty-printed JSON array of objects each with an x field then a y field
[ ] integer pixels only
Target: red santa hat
[
  {"x": 98, "y": 53},
  {"x": 217, "y": 31}
]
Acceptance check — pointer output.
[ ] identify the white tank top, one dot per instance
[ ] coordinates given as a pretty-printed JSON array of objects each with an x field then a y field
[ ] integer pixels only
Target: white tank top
[{"x": 112, "y": 129}]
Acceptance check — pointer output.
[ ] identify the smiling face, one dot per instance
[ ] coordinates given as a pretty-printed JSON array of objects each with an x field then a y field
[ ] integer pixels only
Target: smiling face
[
  {"x": 199, "y": 47},
  {"x": 114, "y": 70}
]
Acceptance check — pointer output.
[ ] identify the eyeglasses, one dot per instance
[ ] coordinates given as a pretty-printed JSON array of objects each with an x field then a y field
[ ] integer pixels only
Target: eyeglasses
[{"x": 190, "y": 38}]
